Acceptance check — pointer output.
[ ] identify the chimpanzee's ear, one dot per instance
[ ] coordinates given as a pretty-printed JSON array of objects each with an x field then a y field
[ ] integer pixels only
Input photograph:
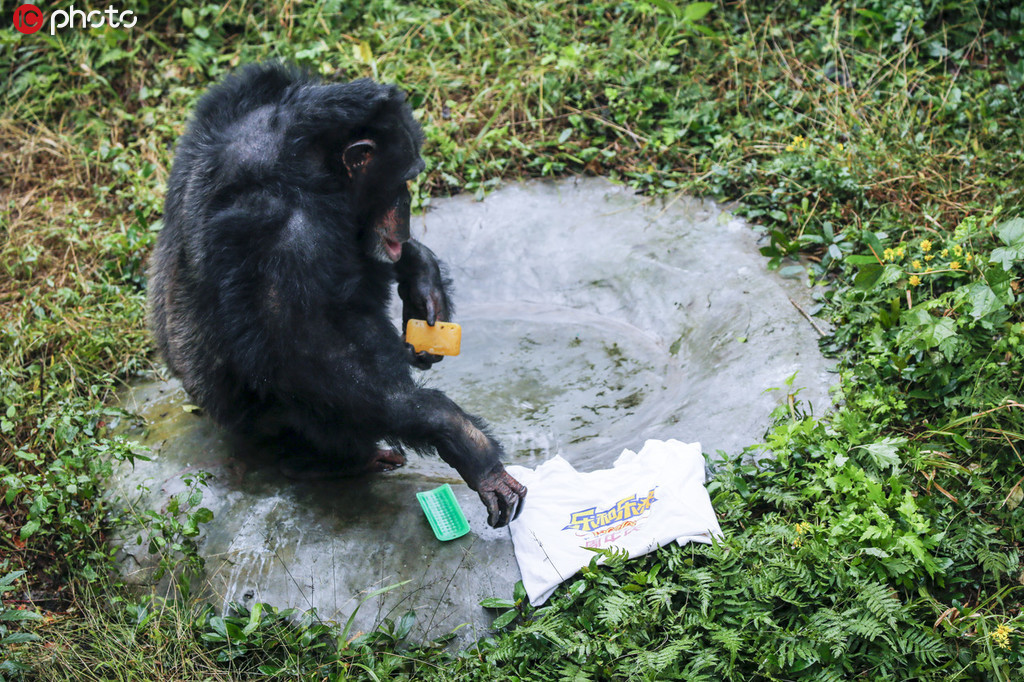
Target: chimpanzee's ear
[{"x": 357, "y": 154}]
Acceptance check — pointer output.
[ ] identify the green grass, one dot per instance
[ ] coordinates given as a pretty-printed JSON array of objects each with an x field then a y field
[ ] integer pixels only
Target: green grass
[{"x": 882, "y": 142}]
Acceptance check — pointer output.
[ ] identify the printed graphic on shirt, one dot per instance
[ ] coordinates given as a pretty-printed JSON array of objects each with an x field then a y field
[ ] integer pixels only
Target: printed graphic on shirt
[{"x": 605, "y": 527}]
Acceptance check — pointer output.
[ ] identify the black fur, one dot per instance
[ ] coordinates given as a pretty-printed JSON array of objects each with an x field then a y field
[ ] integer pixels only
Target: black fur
[{"x": 269, "y": 296}]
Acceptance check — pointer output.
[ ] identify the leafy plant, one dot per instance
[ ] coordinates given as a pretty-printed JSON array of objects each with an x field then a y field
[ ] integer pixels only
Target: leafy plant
[
  {"x": 8, "y": 638},
  {"x": 172, "y": 533}
]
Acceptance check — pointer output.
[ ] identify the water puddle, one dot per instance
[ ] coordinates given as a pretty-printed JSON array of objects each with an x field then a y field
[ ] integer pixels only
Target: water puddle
[{"x": 592, "y": 320}]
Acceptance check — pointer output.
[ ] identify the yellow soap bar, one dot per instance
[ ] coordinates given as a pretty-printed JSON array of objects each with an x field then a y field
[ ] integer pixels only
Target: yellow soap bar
[{"x": 444, "y": 338}]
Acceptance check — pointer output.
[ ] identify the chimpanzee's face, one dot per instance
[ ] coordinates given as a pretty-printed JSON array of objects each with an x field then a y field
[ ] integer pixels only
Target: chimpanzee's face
[
  {"x": 392, "y": 227},
  {"x": 382, "y": 167}
]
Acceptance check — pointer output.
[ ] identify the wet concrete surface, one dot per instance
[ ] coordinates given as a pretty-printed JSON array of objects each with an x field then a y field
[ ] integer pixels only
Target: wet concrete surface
[{"x": 593, "y": 319}]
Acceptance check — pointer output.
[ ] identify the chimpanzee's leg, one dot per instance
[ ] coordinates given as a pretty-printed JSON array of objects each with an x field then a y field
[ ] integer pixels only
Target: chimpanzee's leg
[{"x": 333, "y": 455}]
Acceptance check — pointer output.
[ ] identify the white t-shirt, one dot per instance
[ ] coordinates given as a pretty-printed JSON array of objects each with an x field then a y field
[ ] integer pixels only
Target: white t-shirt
[{"x": 644, "y": 501}]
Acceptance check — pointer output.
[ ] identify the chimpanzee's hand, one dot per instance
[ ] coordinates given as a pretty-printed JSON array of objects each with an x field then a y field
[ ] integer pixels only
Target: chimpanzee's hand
[
  {"x": 424, "y": 293},
  {"x": 422, "y": 299},
  {"x": 503, "y": 497},
  {"x": 422, "y": 359}
]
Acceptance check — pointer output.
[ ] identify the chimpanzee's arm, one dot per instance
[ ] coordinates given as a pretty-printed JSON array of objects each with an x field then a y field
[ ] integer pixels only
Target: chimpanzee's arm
[
  {"x": 424, "y": 291},
  {"x": 331, "y": 375},
  {"x": 428, "y": 417}
]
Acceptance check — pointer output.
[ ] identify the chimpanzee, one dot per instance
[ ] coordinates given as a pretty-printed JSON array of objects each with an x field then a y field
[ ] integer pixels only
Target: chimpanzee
[{"x": 285, "y": 223}]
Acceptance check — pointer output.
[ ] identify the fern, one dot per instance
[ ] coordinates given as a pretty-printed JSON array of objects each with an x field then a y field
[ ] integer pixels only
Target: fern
[
  {"x": 704, "y": 661},
  {"x": 867, "y": 625},
  {"x": 616, "y": 609},
  {"x": 730, "y": 640},
  {"x": 998, "y": 564},
  {"x": 881, "y": 602},
  {"x": 703, "y": 582},
  {"x": 795, "y": 648},
  {"x": 923, "y": 644},
  {"x": 657, "y": 661},
  {"x": 964, "y": 544},
  {"x": 786, "y": 499},
  {"x": 829, "y": 627},
  {"x": 659, "y": 599},
  {"x": 770, "y": 585},
  {"x": 832, "y": 674},
  {"x": 804, "y": 575},
  {"x": 571, "y": 672}
]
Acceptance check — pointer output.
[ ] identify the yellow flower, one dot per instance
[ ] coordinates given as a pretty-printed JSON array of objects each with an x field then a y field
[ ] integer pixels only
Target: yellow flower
[
  {"x": 887, "y": 254},
  {"x": 914, "y": 280},
  {"x": 1002, "y": 636},
  {"x": 928, "y": 258},
  {"x": 841, "y": 146},
  {"x": 798, "y": 141},
  {"x": 926, "y": 245},
  {"x": 969, "y": 257},
  {"x": 900, "y": 251},
  {"x": 945, "y": 252},
  {"x": 955, "y": 265},
  {"x": 917, "y": 264},
  {"x": 958, "y": 250}
]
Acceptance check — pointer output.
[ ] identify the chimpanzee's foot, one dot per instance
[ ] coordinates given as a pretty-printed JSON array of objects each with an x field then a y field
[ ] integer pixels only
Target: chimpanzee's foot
[
  {"x": 311, "y": 467},
  {"x": 386, "y": 459}
]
